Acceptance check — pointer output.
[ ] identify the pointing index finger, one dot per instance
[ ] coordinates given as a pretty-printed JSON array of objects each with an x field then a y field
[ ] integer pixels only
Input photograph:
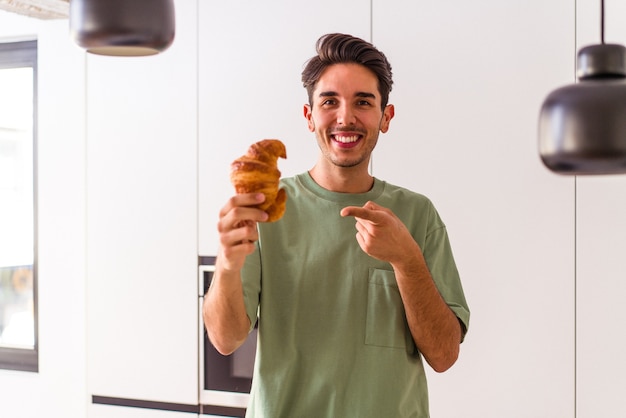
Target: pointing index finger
[{"x": 360, "y": 212}]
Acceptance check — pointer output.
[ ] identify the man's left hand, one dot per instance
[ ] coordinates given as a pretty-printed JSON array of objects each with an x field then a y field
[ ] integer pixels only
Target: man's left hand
[{"x": 380, "y": 233}]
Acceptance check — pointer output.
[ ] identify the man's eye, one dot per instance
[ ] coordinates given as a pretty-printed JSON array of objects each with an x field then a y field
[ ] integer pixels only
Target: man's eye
[
  {"x": 363, "y": 103},
  {"x": 328, "y": 102}
]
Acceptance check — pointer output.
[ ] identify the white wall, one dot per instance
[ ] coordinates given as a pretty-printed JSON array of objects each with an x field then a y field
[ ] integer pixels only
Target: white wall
[{"x": 540, "y": 254}]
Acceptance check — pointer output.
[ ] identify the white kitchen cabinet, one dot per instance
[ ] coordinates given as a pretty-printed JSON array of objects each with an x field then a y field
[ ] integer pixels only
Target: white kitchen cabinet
[
  {"x": 601, "y": 285},
  {"x": 470, "y": 78},
  {"x": 601, "y": 267},
  {"x": 142, "y": 322},
  {"x": 251, "y": 54}
]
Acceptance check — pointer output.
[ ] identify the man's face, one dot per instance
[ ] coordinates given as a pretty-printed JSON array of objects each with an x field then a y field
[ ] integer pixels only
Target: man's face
[{"x": 346, "y": 114}]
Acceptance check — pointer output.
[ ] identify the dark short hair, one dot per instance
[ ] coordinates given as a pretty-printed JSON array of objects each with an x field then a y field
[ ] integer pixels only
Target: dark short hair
[{"x": 339, "y": 48}]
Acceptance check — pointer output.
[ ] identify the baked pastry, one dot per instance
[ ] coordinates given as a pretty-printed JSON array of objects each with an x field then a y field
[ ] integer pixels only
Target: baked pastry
[{"x": 257, "y": 171}]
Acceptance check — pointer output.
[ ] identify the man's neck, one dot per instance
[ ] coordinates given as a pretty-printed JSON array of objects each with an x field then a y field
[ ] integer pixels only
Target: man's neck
[{"x": 342, "y": 179}]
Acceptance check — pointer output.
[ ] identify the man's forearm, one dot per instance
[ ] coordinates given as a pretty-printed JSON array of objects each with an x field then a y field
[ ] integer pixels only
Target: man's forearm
[
  {"x": 224, "y": 312},
  {"x": 434, "y": 327}
]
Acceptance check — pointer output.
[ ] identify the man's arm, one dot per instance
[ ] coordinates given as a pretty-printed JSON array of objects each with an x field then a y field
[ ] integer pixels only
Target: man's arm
[
  {"x": 434, "y": 327},
  {"x": 224, "y": 310}
]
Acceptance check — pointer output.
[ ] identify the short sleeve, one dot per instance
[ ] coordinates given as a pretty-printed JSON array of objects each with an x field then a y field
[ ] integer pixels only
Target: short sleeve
[
  {"x": 440, "y": 260},
  {"x": 251, "y": 282}
]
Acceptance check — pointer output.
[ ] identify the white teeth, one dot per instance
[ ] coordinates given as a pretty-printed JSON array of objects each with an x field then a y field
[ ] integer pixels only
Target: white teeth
[{"x": 347, "y": 139}]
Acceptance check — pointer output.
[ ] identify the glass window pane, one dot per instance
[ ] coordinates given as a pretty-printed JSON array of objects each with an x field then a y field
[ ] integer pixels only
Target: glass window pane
[
  {"x": 18, "y": 329},
  {"x": 16, "y": 208}
]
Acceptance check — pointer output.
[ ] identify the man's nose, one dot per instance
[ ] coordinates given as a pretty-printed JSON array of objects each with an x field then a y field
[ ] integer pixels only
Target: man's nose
[{"x": 345, "y": 115}]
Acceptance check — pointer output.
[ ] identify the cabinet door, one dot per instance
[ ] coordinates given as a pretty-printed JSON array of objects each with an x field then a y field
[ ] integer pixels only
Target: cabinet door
[
  {"x": 251, "y": 56},
  {"x": 469, "y": 81},
  {"x": 141, "y": 227},
  {"x": 601, "y": 284},
  {"x": 601, "y": 244}
]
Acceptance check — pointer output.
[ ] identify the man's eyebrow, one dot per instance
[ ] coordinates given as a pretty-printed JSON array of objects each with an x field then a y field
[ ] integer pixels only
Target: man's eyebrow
[{"x": 359, "y": 94}]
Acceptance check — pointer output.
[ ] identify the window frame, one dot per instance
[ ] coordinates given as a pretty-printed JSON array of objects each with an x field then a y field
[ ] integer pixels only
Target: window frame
[{"x": 14, "y": 55}]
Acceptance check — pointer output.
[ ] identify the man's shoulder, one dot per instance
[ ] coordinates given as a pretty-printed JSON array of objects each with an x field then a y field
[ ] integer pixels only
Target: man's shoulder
[
  {"x": 397, "y": 192},
  {"x": 291, "y": 179}
]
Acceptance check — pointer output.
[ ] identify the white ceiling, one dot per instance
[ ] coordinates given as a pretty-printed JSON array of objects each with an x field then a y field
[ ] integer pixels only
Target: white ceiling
[{"x": 39, "y": 9}]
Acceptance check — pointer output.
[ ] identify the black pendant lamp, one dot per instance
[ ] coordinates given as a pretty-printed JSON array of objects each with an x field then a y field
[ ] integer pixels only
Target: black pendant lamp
[
  {"x": 122, "y": 27},
  {"x": 582, "y": 127}
]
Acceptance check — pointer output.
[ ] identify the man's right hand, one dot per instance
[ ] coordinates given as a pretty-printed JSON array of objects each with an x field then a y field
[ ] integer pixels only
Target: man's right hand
[{"x": 237, "y": 228}]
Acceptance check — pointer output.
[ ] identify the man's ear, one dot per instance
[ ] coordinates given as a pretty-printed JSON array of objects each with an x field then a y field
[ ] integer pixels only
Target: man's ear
[
  {"x": 308, "y": 115},
  {"x": 386, "y": 119}
]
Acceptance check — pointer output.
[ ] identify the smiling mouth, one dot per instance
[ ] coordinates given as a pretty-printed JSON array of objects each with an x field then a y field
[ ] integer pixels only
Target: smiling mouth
[{"x": 346, "y": 139}]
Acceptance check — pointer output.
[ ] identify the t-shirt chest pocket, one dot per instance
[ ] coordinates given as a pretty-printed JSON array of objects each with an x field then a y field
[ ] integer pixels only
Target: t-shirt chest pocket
[{"x": 386, "y": 324}]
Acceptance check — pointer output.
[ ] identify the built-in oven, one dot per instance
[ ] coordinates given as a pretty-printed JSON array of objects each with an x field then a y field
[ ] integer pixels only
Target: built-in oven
[{"x": 224, "y": 380}]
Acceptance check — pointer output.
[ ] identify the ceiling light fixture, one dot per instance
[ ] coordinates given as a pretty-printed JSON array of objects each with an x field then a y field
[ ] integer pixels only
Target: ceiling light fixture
[
  {"x": 582, "y": 127},
  {"x": 122, "y": 27}
]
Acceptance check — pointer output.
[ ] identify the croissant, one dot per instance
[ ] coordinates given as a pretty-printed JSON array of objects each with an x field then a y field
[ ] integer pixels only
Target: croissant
[{"x": 257, "y": 171}]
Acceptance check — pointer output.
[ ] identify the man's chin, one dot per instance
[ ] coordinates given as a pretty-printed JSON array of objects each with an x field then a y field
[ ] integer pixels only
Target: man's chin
[{"x": 347, "y": 163}]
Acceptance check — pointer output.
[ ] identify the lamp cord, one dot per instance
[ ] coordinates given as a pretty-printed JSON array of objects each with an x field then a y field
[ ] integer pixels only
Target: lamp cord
[{"x": 602, "y": 21}]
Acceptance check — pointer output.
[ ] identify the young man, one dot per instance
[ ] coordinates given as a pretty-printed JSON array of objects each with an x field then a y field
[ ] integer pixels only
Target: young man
[{"x": 344, "y": 321}]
